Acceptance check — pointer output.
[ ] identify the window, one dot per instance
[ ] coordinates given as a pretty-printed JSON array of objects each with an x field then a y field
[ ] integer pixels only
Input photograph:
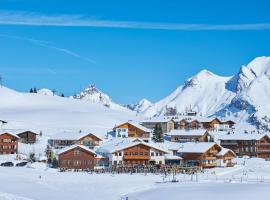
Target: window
[
  {"x": 120, "y": 154},
  {"x": 156, "y": 154},
  {"x": 140, "y": 135},
  {"x": 152, "y": 154},
  {"x": 77, "y": 152}
]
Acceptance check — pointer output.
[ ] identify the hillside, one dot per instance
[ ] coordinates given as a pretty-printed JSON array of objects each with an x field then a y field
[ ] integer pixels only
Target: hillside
[
  {"x": 53, "y": 113},
  {"x": 244, "y": 97}
]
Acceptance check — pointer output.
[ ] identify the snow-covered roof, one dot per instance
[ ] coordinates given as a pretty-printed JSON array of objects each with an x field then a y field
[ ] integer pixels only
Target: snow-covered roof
[
  {"x": 139, "y": 126},
  {"x": 75, "y": 146},
  {"x": 9, "y": 133},
  {"x": 224, "y": 151},
  {"x": 157, "y": 120},
  {"x": 199, "y": 147},
  {"x": 172, "y": 157},
  {"x": 248, "y": 136},
  {"x": 70, "y": 135},
  {"x": 118, "y": 145},
  {"x": 18, "y": 131},
  {"x": 183, "y": 132}
]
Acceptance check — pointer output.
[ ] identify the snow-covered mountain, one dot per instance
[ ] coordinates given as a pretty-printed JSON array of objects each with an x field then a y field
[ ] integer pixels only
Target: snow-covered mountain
[
  {"x": 244, "y": 97},
  {"x": 140, "y": 106},
  {"x": 94, "y": 95}
]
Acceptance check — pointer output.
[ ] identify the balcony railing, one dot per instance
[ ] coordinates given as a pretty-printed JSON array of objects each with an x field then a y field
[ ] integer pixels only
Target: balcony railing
[{"x": 136, "y": 157}]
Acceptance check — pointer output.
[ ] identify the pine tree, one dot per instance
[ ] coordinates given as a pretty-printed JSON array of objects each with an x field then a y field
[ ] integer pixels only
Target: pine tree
[
  {"x": 62, "y": 95},
  {"x": 35, "y": 90},
  {"x": 55, "y": 163},
  {"x": 158, "y": 134},
  {"x": 31, "y": 90}
]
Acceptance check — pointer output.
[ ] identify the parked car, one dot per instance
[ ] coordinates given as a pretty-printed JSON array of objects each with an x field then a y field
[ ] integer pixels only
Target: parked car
[
  {"x": 21, "y": 164},
  {"x": 7, "y": 164}
]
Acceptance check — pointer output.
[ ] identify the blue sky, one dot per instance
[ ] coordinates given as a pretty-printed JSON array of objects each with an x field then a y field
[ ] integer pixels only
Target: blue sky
[{"x": 129, "y": 49}]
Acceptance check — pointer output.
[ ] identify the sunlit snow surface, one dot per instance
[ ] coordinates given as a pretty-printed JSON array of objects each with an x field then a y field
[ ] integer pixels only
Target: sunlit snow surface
[{"x": 247, "y": 182}]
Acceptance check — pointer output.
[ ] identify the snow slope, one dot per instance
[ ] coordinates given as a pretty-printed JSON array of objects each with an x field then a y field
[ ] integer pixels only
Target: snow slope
[
  {"x": 51, "y": 114},
  {"x": 140, "y": 106},
  {"x": 243, "y": 98},
  {"x": 205, "y": 93}
]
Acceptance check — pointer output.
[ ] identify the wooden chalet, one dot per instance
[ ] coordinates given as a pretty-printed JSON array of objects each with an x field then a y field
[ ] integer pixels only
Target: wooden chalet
[
  {"x": 225, "y": 158},
  {"x": 76, "y": 157},
  {"x": 134, "y": 154},
  {"x": 166, "y": 124},
  {"x": 132, "y": 130},
  {"x": 183, "y": 135},
  {"x": 217, "y": 124},
  {"x": 263, "y": 147},
  {"x": 65, "y": 139},
  {"x": 27, "y": 137},
  {"x": 201, "y": 154},
  {"x": 189, "y": 123},
  {"x": 253, "y": 145},
  {"x": 8, "y": 143}
]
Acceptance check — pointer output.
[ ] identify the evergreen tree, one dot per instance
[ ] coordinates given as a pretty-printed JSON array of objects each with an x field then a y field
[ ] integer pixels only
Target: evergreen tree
[
  {"x": 55, "y": 163},
  {"x": 35, "y": 90},
  {"x": 158, "y": 134},
  {"x": 62, "y": 95},
  {"x": 31, "y": 90}
]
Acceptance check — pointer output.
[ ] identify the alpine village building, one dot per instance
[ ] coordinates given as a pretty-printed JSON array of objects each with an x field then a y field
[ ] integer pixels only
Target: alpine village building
[
  {"x": 199, "y": 135},
  {"x": 65, "y": 139},
  {"x": 166, "y": 124},
  {"x": 132, "y": 129},
  {"x": 76, "y": 157},
  {"x": 133, "y": 153},
  {"x": 205, "y": 155},
  {"x": 253, "y": 145},
  {"x": 8, "y": 143}
]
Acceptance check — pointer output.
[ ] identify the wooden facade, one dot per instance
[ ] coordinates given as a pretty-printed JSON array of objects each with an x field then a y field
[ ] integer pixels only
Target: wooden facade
[
  {"x": 207, "y": 159},
  {"x": 89, "y": 140},
  {"x": 241, "y": 147},
  {"x": 191, "y": 138},
  {"x": 8, "y": 143},
  {"x": 138, "y": 154},
  {"x": 212, "y": 124},
  {"x": 28, "y": 137},
  {"x": 184, "y": 124},
  {"x": 132, "y": 130},
  {"x": 166, "y": 125},
  {"x": 263, "y": 147},
  {"x": 226, "y": 159},
  {"x": 77, "y": 158}
]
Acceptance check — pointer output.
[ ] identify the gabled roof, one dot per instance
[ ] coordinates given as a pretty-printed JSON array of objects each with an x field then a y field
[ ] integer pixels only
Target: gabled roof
[
  {"x": 157, "y": 120},
  {"x": 19, "y": 131},
  {"x": 138, "y": 143},
  {"x": 76, "y": 146},
  {"x": 69, "y": 135},
  {"x": 198, "y": 147},
  {"x": 9, "y": 133},
  {"x": 137, "y": 125},
  {"x": 248, "y": 136},
  {"x": 172, "y": 157},
  {"x": 224, "y": 151},
  {"x": 183, "y": 132}
]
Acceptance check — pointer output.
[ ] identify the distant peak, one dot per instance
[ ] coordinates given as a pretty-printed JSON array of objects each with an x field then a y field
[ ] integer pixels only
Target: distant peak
[
  {"x": 205, "y": 72},
  {"x": 145, "y": 101}
]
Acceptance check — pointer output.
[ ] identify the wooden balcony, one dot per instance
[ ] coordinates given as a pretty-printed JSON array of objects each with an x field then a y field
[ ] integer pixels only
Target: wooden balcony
[
  {"x": 138, "y": 157},
  {"x": 231, "y": 164},
  {"x": 209, "y": 165}
]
